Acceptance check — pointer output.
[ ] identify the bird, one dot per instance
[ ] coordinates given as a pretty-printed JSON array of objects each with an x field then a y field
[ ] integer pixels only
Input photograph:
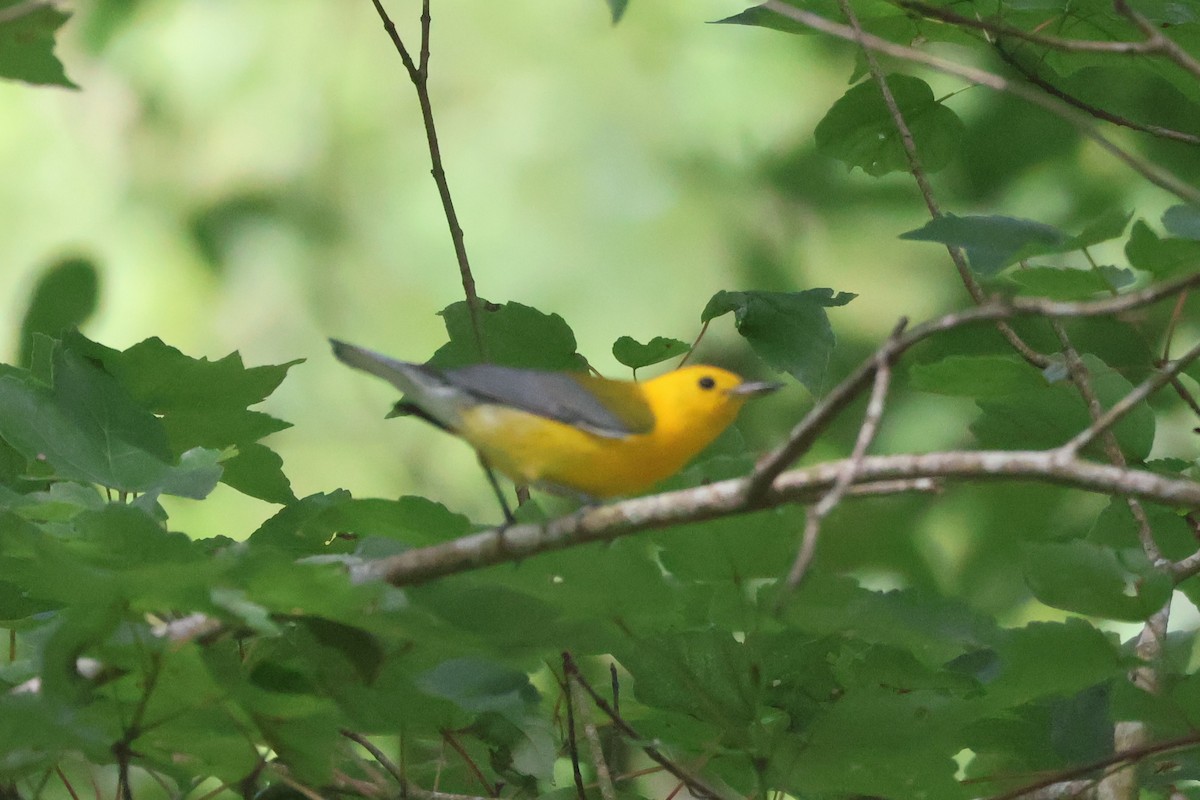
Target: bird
[{"x": 574, "y": 434}]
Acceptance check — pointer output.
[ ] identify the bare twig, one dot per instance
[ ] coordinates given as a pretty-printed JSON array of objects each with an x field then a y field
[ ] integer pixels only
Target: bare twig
[
  {"x": 696, "y": 786},
  {"x": 376, "y": 753},
  {"x": 866, "y": 434},
  {"x": 418, "y": 73},
  {"x": 1156, "y": 38},
  {"x": 603, "y": 776},
  {"x": 824, "y": 412},
  {"x": 1127, "y": 403},
  {"x": 1116, "y": 759},
  {"x": 1090, "y": 109},
  {"x": 918, "y": 172},
  {"x": 1081, "y": 122}
]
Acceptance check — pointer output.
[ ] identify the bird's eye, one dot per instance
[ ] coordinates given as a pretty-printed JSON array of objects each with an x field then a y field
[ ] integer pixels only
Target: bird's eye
[{"x": 707, "y": 382}]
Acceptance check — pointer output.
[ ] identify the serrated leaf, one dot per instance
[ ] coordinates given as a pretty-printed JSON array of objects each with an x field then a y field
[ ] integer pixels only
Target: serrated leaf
[
  {"x": 976, "y": 376},
  {"x": 860, "y": 131},
  {"x": 636, "y": 355},
  {"x": 27, "y": 43},
  {"x": 993, "y": 242},
  {"x": 64, "y": 297},
  {"x": 1089, "y": 579},
  {"x": 1161, "y": 257},
  {"x": 88, "y": 429},
  {"x": 514, "y": 335},
  {"x": 788, "y": 330},
  {"x": 203, "y": 403}
]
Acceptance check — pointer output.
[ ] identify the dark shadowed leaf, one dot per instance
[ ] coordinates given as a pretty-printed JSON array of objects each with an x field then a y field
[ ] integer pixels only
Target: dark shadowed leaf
[
  {"x": 636, "y": 355},
  {"x": 514, "y": 335},
  {"x": 64, "y": 297},
  {"x": 27, "y": 43},
  {"x": 788, "y": 330},
  {"x": 860, "y": 131},
  {"x": 991, "y": 243},
  {"x": 1097, "y": 581}
]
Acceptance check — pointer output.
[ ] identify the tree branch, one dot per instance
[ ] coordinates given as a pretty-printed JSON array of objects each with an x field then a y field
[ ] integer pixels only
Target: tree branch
[
  {"x": 725, "y": 498},
  {"x": 824, "y": 412},
  {"x": 418, "y": 73}
]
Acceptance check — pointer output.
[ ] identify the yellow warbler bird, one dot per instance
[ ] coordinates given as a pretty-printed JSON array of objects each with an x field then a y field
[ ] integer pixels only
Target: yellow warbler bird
[{"x": 572, "y": 433}]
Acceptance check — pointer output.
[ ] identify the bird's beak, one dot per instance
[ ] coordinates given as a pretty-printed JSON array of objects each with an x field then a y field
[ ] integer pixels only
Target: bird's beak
[{"x": 754, "y": 388}]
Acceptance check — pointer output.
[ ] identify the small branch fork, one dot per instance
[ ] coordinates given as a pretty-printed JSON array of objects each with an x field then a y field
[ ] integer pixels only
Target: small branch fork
[
  {"x": 418, "y": 73},
  {"x": 816, "y": 514}
]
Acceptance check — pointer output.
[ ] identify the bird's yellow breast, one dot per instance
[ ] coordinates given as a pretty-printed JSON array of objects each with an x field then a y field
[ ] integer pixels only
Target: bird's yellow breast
[{"x": 535, "y": 450}]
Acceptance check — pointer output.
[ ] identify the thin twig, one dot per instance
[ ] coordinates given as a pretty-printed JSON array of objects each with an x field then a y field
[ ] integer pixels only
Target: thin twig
[
  {"x": 376, "y": 753},
  {"x": 998, "y": 29},
  {"x": 1088, "y": 108},
  {"x": 572, "y": 744},
  {"x": 449, "y": 738},
  {"x": 603, "y": 776},
  {"x": 1082, "y": 380},
  {"x": 918, "y": 172},
  {"x": 1081, "y": 122},
  {"x": 824, "y": 412},
  {"x": 697, "y": 787},
  {"x": 1156, "y": 38},
  {"x": 1116, "y": 759},
  {"x": 816, "y": 514},
  {"x": 418, "y": 73},
  {"x": 1130, "y": 401}
]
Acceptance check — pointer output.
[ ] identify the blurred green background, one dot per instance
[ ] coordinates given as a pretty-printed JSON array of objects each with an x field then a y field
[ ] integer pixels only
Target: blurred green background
[{"x": 253, "y": 176}]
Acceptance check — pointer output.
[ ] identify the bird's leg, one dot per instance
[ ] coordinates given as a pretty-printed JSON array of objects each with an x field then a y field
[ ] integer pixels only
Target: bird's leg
[{"x": 509, "y": 519}]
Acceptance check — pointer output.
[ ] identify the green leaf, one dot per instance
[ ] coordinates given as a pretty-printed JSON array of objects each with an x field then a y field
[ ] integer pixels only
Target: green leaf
[
  {"x": 87, "y": 428},
  {"x": 201, "y": 402},
  {"x": 475, "y": 685},
  {"x": 1089, "y": 579},
  {"x": 860, "y": 131},
  {"x": 27, "y": 43},
  {"x": 788, "y": 330},
  {"x": 760, "y": 17},
  {"x": 617, "y": 9},
  {"x": 514, "y": 335},
  {"x": 976, "y": 376},
  {"x": 64, "y": 297},
  {"x": 898, "y": 740},
  {"x": 994, "y": 242},
  {"x": 1161, "y": 257},
  {"x": 301, "y": 527},
  {"x": 257, "y": 471},
  {"x": 1049, "y": 416},
  {"x": 1045, "y": 659},
  {"x": 636, "y": 355},
  {"x": 1182, "y": 221},
  {"x": 1070, "y": 284},
  {"x": 1105, "y": 227}
]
